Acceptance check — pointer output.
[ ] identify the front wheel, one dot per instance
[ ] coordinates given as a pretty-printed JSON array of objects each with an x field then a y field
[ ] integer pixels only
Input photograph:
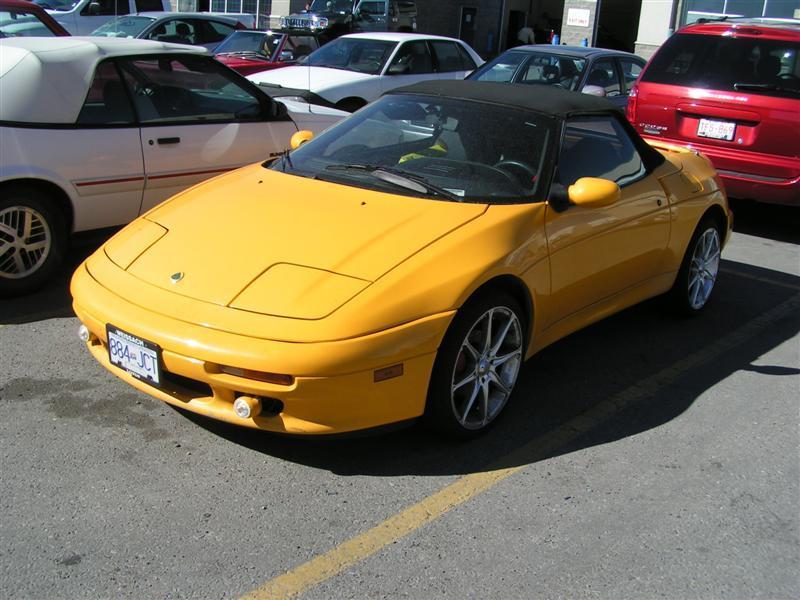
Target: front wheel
[
  {"x": 33, "y": 239},
  {"x": 477, "y": 366},
  {"x": 698, "y": 273}
]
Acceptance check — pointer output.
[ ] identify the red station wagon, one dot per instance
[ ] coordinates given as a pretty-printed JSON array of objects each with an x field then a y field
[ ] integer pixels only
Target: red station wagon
[{"x": 730, "y": 89}]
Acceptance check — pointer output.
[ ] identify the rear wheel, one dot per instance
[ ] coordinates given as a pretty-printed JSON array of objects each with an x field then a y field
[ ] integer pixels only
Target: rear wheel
[
  {"x": 33, "y": 239},
  {"x": 698, "y": 273},
  {"x": 477, "y": 366}
]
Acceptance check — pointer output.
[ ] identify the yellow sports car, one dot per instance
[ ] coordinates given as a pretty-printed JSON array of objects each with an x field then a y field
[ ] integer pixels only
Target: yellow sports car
[{"x": 402, "y": 264}]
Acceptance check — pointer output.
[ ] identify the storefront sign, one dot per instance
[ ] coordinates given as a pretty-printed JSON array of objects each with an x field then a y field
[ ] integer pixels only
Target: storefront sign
[{"x": 578, "y": 17}]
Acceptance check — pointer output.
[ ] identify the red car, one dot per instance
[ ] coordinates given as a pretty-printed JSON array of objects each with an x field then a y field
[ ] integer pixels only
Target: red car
[
  {"x": 249, "y": 52},
  {"x": 19, "y": 18},
  {"x": 731, "y": 90}
]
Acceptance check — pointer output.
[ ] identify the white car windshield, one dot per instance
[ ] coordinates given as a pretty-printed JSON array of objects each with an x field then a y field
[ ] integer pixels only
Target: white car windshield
[
  {"x": 57, "y": 4},
  {"x": 353, "y": 54}
]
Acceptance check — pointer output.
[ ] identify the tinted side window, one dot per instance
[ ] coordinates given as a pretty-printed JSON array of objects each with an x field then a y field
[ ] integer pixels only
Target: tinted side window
[
  {"x": 630, "y": 73},
  {"x": 109, "y": 7},
  {"x": 414, "y": 58},
  {"x": 107, "y": 103},
  {"x": 598, "y": 147},
  {"x": 752, "y": 64},
  {"x": 212, "y": 32},
  {"x": 148, "y": 5},
  {"x": 448, "y": 58},
  {"x": 604, "y": 75},
  {"x": 466, "y": 59},
  {"x": 189, "y": 90}
]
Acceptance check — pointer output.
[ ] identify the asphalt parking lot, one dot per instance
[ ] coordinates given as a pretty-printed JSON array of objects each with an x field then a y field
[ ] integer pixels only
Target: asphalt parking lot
[{"x": 647, "y": 456}]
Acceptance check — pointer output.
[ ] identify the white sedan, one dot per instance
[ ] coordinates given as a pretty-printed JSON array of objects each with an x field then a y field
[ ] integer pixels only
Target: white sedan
[
  {"x": 94, "y": 132},
  {"x": 353, "y": 70}
]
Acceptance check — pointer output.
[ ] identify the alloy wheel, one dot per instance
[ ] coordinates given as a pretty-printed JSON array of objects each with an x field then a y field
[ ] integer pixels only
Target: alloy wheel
[
  {"x": 25, "y": 241},
  {"x": 703, "y": 268},
  {"x": 486, "y": 368}
]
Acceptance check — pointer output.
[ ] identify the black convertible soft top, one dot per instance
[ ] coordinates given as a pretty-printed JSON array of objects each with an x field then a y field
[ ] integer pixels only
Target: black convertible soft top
[{"x": 540, "y": 98}]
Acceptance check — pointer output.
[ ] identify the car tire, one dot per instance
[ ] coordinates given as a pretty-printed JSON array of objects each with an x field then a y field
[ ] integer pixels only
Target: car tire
[
  {"x": 697, "y": 275},
  {"x": 351, "y": 104},
  {"x": 33, "y": 239},
  {"x": 472, "y": 380}
]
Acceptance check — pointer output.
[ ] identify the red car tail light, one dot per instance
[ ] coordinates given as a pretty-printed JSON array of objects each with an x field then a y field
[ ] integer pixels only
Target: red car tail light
[{"x": 630, "y": 110}]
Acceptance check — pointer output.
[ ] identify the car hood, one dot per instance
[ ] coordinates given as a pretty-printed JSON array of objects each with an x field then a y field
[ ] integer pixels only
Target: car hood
[
  {"x": 308, "y": 78},
  {"x": 277, "y": 244}
]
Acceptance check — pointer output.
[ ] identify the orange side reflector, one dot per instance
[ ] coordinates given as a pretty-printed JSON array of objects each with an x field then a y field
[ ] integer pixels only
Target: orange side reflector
[
  {"x": 278, "y": 378},
  {"x": 388, "y": 373}
]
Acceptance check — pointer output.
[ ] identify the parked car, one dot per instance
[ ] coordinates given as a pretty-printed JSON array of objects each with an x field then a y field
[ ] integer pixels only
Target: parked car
[
  {"x": 597, "y": 71},
  {"x": 249, "y": 52},
  {"x": 355, "y": 69},
  {"x": 95, "y": 131},
  {"x": 329, "y": 17},
  {"x": 19, "y": 18},
  {"x": 196, "y": 29},
  {"x": 81, "y": 17},
  {"x": 475, "y": 223},
  {"x": 731, "y": 90}
]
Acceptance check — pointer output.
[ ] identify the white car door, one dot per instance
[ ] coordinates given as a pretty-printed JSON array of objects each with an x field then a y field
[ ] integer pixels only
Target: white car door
[
  {"x": 452, "y": 60},
  {"x": 197, "y": 121},
  {"x": 412, "y": 62},
  {"x": 102, "y": 156}
]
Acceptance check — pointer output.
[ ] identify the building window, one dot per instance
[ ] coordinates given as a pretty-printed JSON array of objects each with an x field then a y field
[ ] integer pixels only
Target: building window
[{"x": 714, "y": 9}]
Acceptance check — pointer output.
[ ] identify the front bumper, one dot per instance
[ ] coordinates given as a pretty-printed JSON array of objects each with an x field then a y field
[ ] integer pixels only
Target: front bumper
[{"x": 333, "y": 403}]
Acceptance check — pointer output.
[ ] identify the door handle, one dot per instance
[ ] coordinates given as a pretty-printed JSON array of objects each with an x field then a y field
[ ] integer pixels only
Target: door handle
[{"x": 169, "y": 140}]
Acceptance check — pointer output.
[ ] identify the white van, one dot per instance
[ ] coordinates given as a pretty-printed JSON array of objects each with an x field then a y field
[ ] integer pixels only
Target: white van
[{"x": 82, "y": 17}]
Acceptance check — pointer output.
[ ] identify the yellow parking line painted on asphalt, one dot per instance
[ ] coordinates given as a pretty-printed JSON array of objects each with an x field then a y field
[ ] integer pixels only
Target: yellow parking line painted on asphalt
[{"x": 335, "y": 561}]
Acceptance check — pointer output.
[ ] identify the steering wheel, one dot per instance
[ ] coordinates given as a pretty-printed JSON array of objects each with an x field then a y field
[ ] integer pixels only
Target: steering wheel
[{"x": 526, "y": 168}]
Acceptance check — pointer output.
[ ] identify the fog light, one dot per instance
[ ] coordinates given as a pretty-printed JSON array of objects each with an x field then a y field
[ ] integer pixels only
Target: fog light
[
  {"x": 83, "y": 333},
  {"x": 246, "y": 407}
]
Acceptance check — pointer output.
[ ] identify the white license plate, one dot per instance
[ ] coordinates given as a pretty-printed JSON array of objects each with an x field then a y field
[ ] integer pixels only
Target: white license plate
[
  {"x": 718, "y": 130},
  {"x": 138, "y": 357}
]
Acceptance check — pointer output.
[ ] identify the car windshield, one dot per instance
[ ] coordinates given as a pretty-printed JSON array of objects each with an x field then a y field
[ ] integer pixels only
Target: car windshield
[
  {"x": 262, "y": 43},
  {"x": 743, "y": 64},
  {"x": 57, "y": 4},
  {"x": 22, "y": 24},
  {"x": 127, "y": 26},
  {"x": 330, "y": 6},
  {"x": 353, "y": 54},
  {"x": 442, "y": 148},
  {"x": 533, "y": 68}
]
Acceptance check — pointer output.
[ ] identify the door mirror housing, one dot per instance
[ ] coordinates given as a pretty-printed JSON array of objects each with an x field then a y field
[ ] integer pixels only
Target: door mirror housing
[
  {"x": 594, "y": 90},
  {"x": 399, "y": 69},
  {"x": 300, "y": 138},
  {"x": 593, "y": 192},
  {"x": 94, "y": 8}
]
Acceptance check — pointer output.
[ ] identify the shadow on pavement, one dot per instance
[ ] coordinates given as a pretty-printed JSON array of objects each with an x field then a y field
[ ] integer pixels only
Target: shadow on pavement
[
  {"x": 576, "y": 374},
  {"x": 53, "y": 300},
  {"x": 772, "y": 221}
]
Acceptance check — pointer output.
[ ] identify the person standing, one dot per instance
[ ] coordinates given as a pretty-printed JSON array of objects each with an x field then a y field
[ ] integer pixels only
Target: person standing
[{"x": 525, "y": 34}]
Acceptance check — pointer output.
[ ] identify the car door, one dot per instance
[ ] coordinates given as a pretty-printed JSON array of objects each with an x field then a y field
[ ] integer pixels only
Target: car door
[
  {"x": 603, "y": 74},
  {"x": 412, "y": 62},
  {"x": 97, "y": 12},
  {"x": 198, "y": 120},
  {"x": 451, "y": 60},
  {"x": 102, "y": 156},
  {"x": 596, "y": 253}
]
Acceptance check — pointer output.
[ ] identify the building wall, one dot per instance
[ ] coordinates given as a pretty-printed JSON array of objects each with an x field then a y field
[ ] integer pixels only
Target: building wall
[
  {"x": 654, "y": 26},
  {"x": 586, "y": 12},
  {"x": 443, "y": 17}
]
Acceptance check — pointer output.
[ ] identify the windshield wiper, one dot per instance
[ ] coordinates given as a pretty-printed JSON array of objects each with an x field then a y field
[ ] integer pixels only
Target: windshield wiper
[
  {"x": 400, "y": 179},
  {"x": 764, "y": 86}
]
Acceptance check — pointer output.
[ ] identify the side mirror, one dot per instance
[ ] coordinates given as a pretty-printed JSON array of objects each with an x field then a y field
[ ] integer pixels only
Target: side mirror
[
  {"x": 300, "y": 138},
  {"x": 593, "y": 192},
  {"x": 285, "y": 55},
  {"x": 94, "y": 8},
  {"x": 594, "y": 90},
  {"x": 398, "y": 69}
]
